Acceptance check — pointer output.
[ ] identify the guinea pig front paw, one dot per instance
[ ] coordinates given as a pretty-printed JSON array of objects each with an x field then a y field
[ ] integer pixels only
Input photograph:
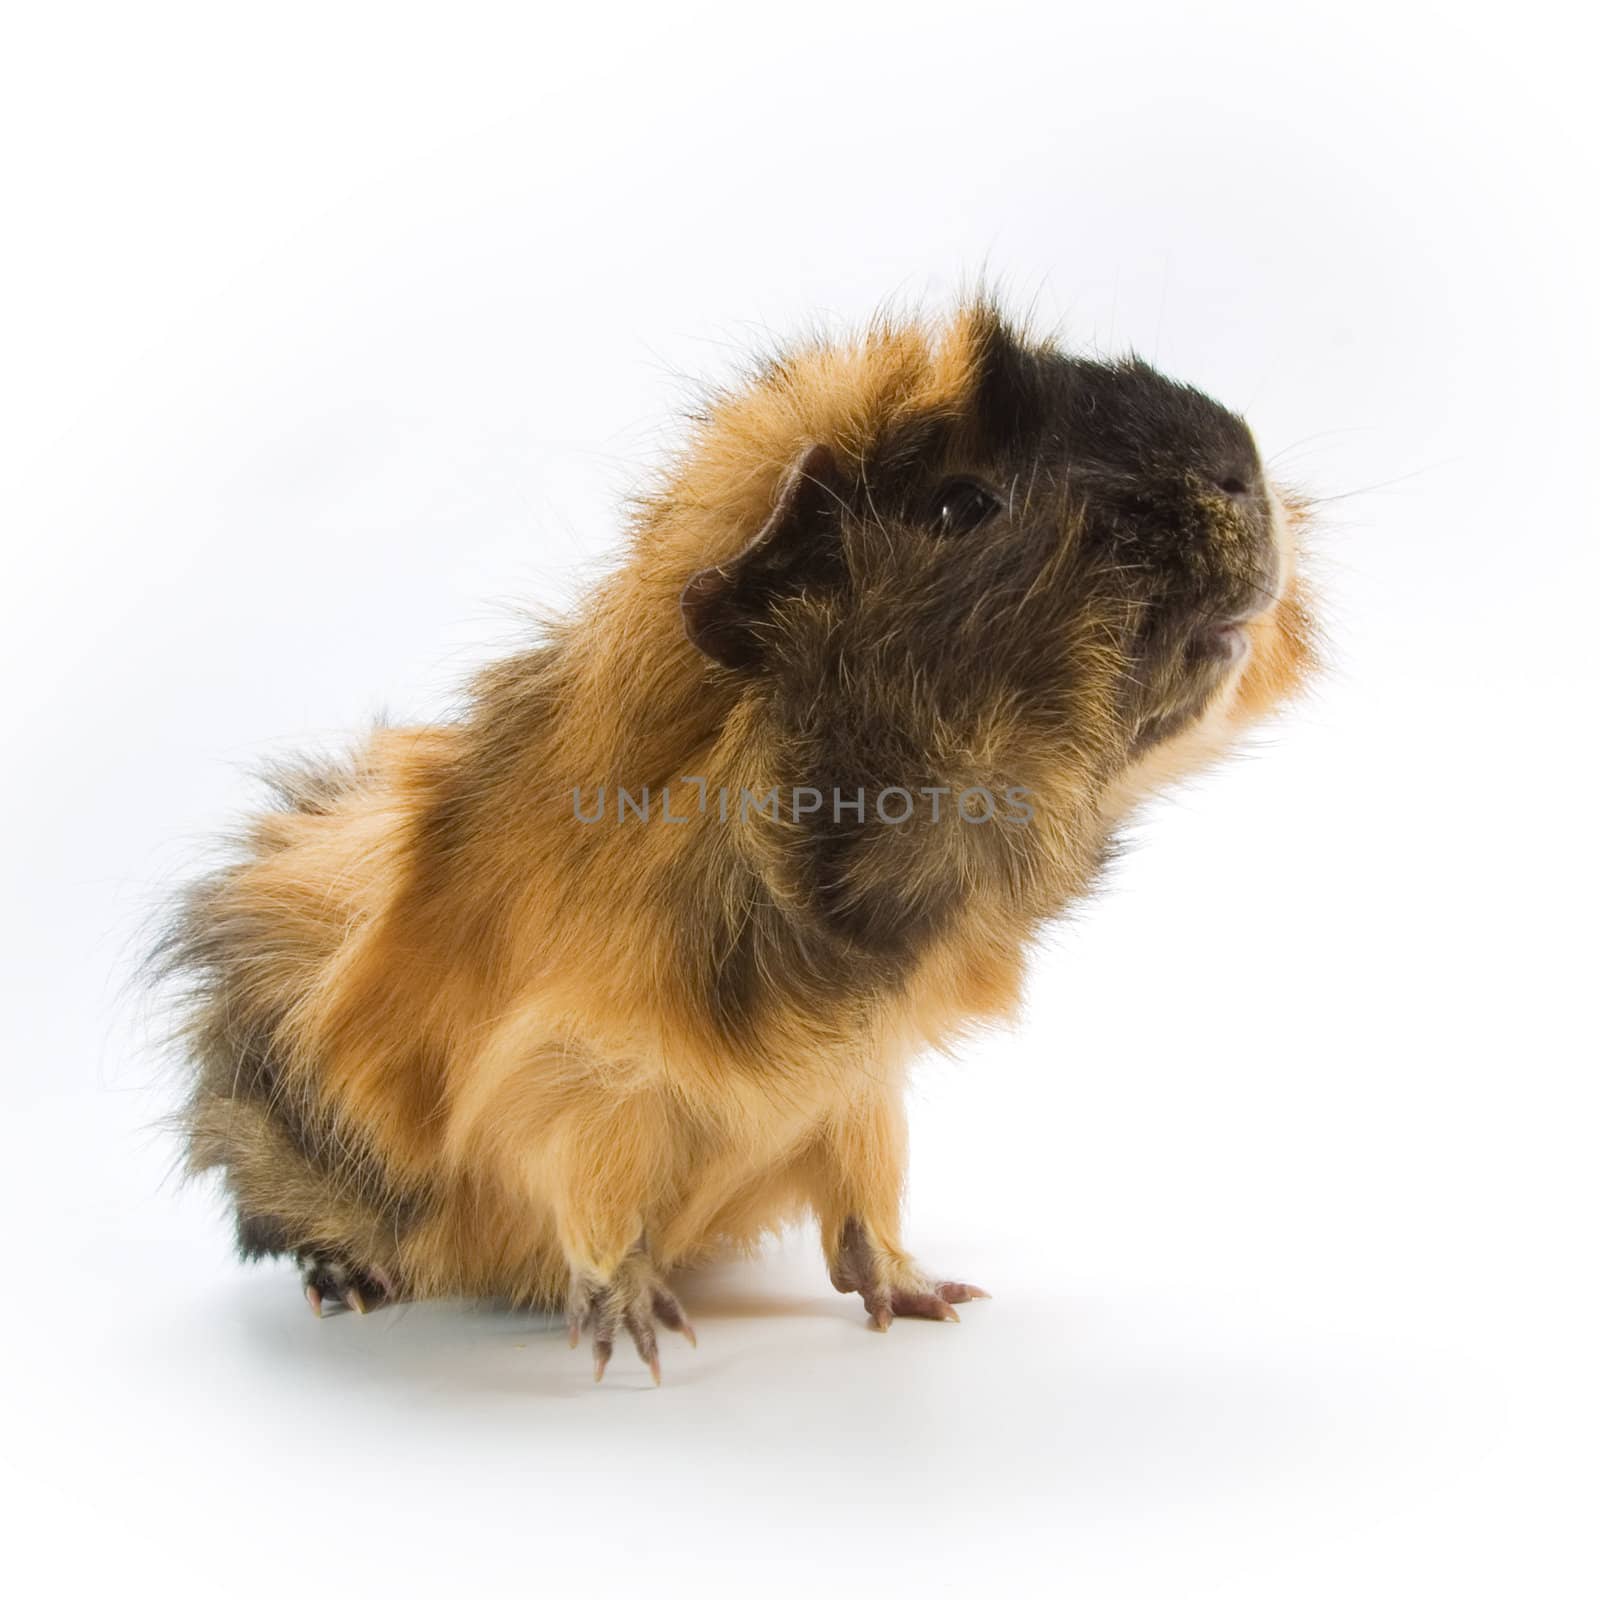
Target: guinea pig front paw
[
  {"x": 892, "y": 1285},
  {"x": 635, "y": 1297}
]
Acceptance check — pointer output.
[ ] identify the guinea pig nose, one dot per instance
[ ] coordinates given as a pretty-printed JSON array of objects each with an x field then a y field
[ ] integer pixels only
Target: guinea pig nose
[{"x": 1242, "y": 484}]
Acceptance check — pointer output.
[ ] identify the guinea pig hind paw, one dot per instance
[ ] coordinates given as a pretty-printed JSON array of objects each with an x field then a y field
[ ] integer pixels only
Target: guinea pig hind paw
[{"x": 332, "y": 1285}]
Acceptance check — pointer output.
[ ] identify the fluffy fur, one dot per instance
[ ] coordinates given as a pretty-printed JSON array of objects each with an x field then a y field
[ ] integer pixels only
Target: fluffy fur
[{"x": 448, "y": 1039}]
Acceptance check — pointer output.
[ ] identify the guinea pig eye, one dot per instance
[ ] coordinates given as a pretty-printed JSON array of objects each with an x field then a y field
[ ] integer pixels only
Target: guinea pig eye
[{"x": 962, "y": 506}]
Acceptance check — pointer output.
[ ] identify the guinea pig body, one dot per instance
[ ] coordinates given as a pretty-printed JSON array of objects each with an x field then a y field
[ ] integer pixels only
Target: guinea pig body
[{"x": 625, "y": 968}]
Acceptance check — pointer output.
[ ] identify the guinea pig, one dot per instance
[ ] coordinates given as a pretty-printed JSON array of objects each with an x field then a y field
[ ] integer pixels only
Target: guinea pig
[{"x": 625, "y": 968}]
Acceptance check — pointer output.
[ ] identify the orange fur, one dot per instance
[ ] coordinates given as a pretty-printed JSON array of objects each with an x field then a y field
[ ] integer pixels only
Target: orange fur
[{"x": 492, "y": 1009}]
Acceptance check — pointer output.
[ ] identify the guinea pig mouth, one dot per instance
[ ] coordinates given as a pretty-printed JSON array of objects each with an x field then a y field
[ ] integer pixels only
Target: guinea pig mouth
[
  {"x": 1225, "y": 643},
  {"x": 1225, "y": 639}
]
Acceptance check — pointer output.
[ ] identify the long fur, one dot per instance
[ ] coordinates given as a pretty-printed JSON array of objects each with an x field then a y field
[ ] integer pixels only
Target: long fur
[{"x": 443, "y": 1032}]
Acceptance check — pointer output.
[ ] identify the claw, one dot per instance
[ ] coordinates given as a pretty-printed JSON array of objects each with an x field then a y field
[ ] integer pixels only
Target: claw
[
  {"x": 632, "y": 1298},
  {"x": 331, "y": 1284},
  {"x": 959, "y": 1293},
  {"x": 932, "y": 1306},
  {"x": 670, "y": 1315},
  {"x": 642, "y": 1328},
  {"x": 880, "y": 1308},
  {"x": 888, "y": 1283}
]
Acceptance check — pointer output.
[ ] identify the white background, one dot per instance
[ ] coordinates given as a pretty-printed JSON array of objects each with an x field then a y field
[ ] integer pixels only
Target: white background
[{"x": 330, "y": 335}]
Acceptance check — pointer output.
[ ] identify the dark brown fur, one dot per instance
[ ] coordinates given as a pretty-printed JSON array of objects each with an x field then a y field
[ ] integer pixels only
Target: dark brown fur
[{"x": 449, "y": 1039}]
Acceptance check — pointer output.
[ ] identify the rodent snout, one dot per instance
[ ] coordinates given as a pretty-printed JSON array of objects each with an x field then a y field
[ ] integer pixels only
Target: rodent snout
[
  {"x": 1263, "y": 572},
  {"x": 1241, "y": 484}
]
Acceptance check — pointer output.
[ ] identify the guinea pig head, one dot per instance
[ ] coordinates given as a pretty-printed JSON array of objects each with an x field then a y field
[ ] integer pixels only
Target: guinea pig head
[
  {"x": 1002, "y": 536},
  {"x": 956, "y": 561}
]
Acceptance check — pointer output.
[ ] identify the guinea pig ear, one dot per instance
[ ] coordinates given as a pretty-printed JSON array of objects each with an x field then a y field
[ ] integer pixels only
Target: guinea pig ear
[{"x": 796, "y": 548}]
